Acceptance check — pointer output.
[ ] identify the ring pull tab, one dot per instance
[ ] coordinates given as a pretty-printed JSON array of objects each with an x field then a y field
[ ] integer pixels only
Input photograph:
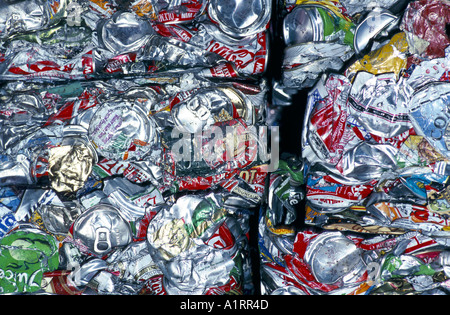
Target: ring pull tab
[{"x": 102, "y": 240}]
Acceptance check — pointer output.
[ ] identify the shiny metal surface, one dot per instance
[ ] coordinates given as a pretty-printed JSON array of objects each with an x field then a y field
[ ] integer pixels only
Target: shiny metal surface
[
  {"x": 102, "y": 229},
  {"x": 333, "y": 257},
  {"x": 125, "y": 32},
  {"x": 302, "y": 25},
  {"x": 240, "y": 18},
  {"x": 120, "y": 131},
  {"x": 208, "y": 106},
  {"x": 377, "y": 21}
]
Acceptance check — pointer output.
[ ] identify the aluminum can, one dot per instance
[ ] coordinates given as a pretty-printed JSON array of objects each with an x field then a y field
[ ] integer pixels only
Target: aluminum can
[
  {"x": 315, "y": 23},
  {"x": 124, "y": 32},
  {"x": 334, "y": 258},
  {"x": 430, "y": 36},
  {"x": 24, "y": 16},
  {"x": 26, "y": 254},
  {"x": 240, "y": 18},
  {"x": 429, "y": 114},
  {"x": 57, "y": 219},
  {"x": 177, "y": 11},
  {"x": 122, "y": 131},
  {"x": 70, "y": 163},
  {"x": 102, "y": 229},
  {"x": 377, "y": 21},
  {"x": 209, "y": 106}
]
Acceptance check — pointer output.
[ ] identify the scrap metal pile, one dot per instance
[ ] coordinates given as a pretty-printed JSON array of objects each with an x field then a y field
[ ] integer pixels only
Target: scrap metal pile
[
  {"x": 140, "y": 137},
  {"x": 374, "y": 157}
]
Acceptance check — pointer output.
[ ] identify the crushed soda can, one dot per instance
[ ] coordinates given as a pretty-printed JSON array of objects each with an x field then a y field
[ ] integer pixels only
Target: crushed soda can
[
  {"x": 427, "y": 35},
  {"x": 383, "y": 59},
  {"x": 101, "y": 229},
  {"x": 240, "y": 19},
  {"x": 190, "y": 236},
  {"x": 26, "y": 254},
  {"x": 375, "y": 263},
  {"x": 25, "y": 16},
  {"x": 431, "y": 102},
  {"x": 377, "y": 21},
  {"x": 169, "y": 11},
  {"x": 109, "y": 132}
]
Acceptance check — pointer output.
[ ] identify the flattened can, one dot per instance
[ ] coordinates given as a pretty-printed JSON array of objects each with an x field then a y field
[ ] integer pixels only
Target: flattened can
[
  {"x": 29, "y": 15},
  {"x": 70, "y": 163},
  {"x": 332, "y": 257},
  {"x": 211, "y": 105},
  {"x": 101, "y": 228},
  {"x": 240, "y": 18},
  {"x": 124, "y": 32},
  {"x": 316, "y": 22},
  {"x": 121, "y": 131},
  {"x": 430, "y": 116}
]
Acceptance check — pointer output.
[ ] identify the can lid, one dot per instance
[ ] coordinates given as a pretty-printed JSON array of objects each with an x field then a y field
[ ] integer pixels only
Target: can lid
[
  {"x": 124, "y": 32},
  {"x": 303, "y": 24},
  {"x": 78, "y": 135},
  {"x": 101, "y": 228},
  {"x": 241, "y": 18},
  {"x": 332, "y": 256},
  {"x": 208, "y": 106},
  {"x": 121, "y": 131}
]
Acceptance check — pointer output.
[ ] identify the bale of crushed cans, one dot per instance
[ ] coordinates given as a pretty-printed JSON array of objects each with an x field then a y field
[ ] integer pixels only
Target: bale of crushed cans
[
  {"x": 136, "y": 147},
  {"x": 372, "y": 176},
  {"x": 132, "y": 137}
]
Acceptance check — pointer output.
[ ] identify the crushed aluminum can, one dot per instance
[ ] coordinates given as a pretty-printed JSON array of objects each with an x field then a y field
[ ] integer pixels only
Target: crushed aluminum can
[
  {"x": 334, "y": 258},
  {"x": 58, "y": 219},
  {"x": 172, "y": 231},
  {"x": 391, "y": 57},
  {"x": 124, "y": 32},
  {"x": 428, "y": 32},
  {"x": 26, "y": 254},
  {"x": 376, "y": 22},
  {"x": 209, "y": 106},
  {"x": 355, "y": 162},
  {"x": 122, "y": 131},
  {"x": 316, "y": 23},
  {"x": 381, "y": 104},
  {"x": 102, "y": 229},
  {"x": 240, "y": 18},
  {"x": 24, "y": 16},
  {"x": 70, "y": 164},
  {"x": 190, "y": 248},
  {"x": 429, "y": 71},
  {"x": 302, "y": 25},
  {"x": 303, "y": 64},
  {"x": 170, "y": 11},
  {"x": 429, "y": 114},
  {"x": 134, "y": 263},
  {"x": 328, "y": 197}
]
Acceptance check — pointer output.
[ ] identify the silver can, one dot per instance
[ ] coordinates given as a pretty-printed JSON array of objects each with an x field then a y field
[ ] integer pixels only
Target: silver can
[
  {"x": 315, "y": 23},
  {"x": 240, "y": 18},
  {"x": 124, "y": 32},
  {"x": 102, "y": 229},
  {"x": 379, "y": 21},
  {"x": 29, "y": 15},
  {"x": 211, "y": 105},
  {"x": 70, "y": 163},
  {"x": 303, "y": 25},
  {"x": 121, "y": 131},
  {"x": 334, "y": 258}
]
